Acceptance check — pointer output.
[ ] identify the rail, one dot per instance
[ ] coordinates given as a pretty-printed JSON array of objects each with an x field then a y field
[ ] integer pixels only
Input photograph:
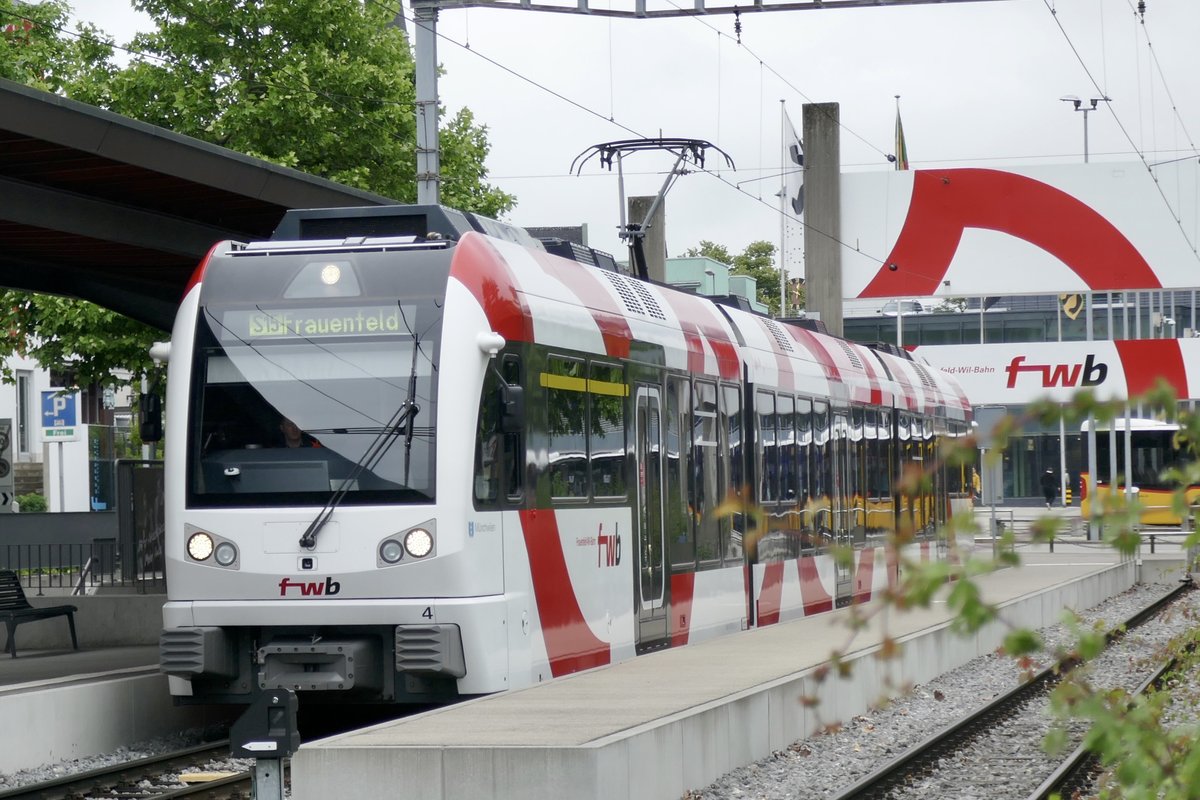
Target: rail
[
  {"x": 1073, "y": 776},
  {"x": 151, "y": 777},
  {"x": 880, "y": 782}
]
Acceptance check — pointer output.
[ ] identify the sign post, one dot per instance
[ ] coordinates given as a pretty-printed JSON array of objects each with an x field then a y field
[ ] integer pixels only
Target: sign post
[
  {"x": 986, "y": 420},
  {"x": 59, "y": 425},
  {"x": 7, "y": 479}
]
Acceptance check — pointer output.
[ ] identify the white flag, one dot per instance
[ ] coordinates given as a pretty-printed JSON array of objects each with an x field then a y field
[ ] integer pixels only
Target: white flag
[{"x": 793, "y": 170}]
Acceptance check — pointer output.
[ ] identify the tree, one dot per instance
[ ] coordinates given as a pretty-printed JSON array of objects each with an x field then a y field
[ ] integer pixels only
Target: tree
[
  {"x": 102, "y": 347},
  {"x": 756, "y": 261},
  {"x": 952, "y": 305},
  {"x": 33, "y": 53},
  {"x": 324, "y": 86}
]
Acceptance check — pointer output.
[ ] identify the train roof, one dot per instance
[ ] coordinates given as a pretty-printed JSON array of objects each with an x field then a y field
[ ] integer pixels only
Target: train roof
[{"x": 532, "y": 294}]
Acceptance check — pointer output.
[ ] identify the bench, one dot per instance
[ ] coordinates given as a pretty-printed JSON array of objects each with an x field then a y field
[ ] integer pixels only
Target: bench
[{"x": 15, "y": 609}]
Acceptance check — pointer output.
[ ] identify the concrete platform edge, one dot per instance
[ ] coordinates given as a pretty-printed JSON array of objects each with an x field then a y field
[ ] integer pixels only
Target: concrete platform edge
[
  {"x": 91, "y": 718},
  {"x": 661, "y": 760}
]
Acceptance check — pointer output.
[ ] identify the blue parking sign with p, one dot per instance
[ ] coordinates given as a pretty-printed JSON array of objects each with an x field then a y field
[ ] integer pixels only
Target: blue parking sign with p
[{"x": 58, "y": 410}]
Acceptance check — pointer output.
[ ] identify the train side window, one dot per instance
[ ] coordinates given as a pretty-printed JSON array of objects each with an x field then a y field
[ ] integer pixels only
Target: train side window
[
  {"x": 856, "y": 490},
  {"x": 705, "y": 486},
  {"x": 488, "y": 453},
  {"x": 804, "y": 443},
  {"x": 607, "y": 391},
  {"x": 785, "y": 416},
  {"x": 680, "y": 503},
  {"x": 766, "y": 451},
  {"x": 499, "y": 457},
  {"x": 566, "y": 424},
  {"x": 513, "y": 473},
  {"x": 733, "y": 474},
  {"x": 821, "y": 476}
]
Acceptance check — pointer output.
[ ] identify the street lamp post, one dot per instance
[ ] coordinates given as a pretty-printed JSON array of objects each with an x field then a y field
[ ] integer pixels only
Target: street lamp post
[
  {"x": 1091, "y": 435},
  {"x": 1079, "y": 106}
]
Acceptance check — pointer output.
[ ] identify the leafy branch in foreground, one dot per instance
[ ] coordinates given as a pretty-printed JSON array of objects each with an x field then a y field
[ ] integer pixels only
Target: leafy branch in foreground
[{"x": 1146, "y": 759}]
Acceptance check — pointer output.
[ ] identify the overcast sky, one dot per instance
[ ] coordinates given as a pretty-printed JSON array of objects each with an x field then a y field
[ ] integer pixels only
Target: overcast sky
[{"x": 979, "y": 85}]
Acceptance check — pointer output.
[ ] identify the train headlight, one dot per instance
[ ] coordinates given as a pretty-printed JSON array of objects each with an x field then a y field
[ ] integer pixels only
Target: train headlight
[
  {"x": 391, "y": 551},
  {"x": 418, "y": 542},
  {"x": 200, "y": 546},
  {"x": 226, "y": 553}
]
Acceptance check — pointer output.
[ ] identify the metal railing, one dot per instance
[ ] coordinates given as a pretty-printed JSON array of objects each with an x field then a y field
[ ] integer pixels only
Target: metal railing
[{"x": 75, "y": 569}]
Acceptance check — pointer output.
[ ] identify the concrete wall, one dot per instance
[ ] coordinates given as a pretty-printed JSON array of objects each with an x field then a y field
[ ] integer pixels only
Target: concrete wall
[
  {"x": 822, "y": 212},
  {"x": 73, "y": 721},
  {"x": 101, "y": 621}
]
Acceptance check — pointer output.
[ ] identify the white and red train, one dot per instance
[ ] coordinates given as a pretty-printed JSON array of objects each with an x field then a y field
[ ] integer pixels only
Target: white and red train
[{"x": 414, "y": 456}]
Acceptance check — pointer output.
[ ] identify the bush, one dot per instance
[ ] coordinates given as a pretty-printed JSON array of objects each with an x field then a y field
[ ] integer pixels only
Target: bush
[{"x": 31, "y": 503}]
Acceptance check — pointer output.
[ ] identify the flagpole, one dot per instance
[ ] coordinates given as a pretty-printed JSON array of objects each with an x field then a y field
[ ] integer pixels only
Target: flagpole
[{"x": 783, "y": 198}]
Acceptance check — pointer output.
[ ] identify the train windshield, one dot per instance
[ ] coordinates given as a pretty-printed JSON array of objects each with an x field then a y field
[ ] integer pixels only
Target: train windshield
[{"x": 295, "y": 401}]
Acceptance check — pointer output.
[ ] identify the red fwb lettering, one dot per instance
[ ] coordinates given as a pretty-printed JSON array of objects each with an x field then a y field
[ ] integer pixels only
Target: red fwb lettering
[
  {"x": 310, "y": 588},
  {"x": 608, "y": 547}
]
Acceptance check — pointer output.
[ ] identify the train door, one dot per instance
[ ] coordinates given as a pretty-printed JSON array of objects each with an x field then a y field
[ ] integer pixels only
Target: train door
[
  {"x": 650, "y": 583},
  {"x": 841, "y": 503}
]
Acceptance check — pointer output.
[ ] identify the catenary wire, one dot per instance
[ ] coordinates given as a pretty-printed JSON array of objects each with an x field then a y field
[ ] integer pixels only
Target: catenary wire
[{"x": 1124, "y": 131}]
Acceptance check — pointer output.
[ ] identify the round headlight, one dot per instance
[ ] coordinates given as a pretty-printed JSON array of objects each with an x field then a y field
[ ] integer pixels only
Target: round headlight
[
  {"x": 331, "y": 274},
  {"x": 391, "y": 551},
  {"x": 418, "y": 542},
  {"x": 226, "y": 554},
  {"x": 200, "y": 546}
]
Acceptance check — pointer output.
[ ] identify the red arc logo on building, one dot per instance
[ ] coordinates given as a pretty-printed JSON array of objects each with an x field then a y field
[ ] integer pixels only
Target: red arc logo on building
[{"x": 945, "y": 203}]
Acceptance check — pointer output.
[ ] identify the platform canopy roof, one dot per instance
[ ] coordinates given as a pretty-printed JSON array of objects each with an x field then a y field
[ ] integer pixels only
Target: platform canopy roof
[{"x": 118, "y": 212}]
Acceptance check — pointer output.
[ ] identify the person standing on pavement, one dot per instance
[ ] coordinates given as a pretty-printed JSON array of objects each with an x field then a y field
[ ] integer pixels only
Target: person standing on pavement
[{"x": 1049, "y": 486}]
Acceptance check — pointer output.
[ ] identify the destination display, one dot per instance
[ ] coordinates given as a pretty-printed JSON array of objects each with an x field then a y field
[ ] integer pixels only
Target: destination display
[{"x": 310, "y": 323}]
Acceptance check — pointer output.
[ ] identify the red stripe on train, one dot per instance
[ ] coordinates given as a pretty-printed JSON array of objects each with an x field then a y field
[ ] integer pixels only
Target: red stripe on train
[
  {"x": 488, "y": 277},
  {"x": 812, "y": 592},
  {"x": 770, "y": 597},
  {"x": 594, "y": 296},
  {"x": 683, "y": 586},
  {"x": 570, "y": 644},
  {"x": 864, "y": 574}
]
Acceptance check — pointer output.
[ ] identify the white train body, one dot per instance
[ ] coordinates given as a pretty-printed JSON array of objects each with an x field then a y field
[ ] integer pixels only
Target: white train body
[{"x": 571, "y": 467}]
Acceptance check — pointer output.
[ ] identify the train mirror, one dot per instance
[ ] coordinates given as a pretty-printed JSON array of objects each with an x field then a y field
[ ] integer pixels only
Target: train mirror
[
  {"x": 150, "y": 420},
  {"x": 512, "y": 408}
]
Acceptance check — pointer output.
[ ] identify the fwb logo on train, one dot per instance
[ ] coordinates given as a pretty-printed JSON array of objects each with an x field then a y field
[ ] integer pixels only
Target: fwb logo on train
[{"x": 608, "y": 547}]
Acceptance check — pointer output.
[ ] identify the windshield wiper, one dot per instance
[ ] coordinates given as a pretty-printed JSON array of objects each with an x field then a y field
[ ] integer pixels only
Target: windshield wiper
[{"x": 403, "y": 418}]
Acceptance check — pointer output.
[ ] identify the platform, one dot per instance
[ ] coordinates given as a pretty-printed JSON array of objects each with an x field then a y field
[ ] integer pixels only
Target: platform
[
  {"x": 62, "y": 704},
  {"x": 664, "y": 723}
]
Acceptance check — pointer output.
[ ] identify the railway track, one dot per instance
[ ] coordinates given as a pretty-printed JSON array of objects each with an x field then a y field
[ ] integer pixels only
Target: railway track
[
  {"x": 1002, "y": 742},
  {"x": 153, "y": 777}
]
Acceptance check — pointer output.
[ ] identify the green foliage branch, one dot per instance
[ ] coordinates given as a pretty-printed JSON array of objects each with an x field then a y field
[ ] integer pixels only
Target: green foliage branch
[{"x": 1145, "y": 759}]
